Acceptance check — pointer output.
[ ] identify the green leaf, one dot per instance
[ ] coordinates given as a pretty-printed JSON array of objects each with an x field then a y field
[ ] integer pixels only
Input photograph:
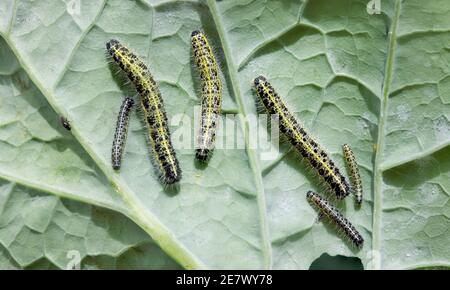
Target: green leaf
[
  {"x": 42, "y": 231},
  {"x": 379, "y": 82},
  {"x": 38, "y": 158}
]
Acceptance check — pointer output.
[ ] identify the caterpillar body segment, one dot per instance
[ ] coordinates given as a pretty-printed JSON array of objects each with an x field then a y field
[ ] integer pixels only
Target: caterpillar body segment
[
  {"x": 354, "y": 172},
  {"x": 120, "y": 135},
  {"x": 297, "y": 136},
  {"x": 211, "y": 101},
  {"x": 327, "y": 210},
  {"x": 153, "y": 110}
]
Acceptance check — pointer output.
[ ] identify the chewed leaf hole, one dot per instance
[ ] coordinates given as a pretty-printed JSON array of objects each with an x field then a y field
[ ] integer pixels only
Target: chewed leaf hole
[{"x": 327, "y": 262}]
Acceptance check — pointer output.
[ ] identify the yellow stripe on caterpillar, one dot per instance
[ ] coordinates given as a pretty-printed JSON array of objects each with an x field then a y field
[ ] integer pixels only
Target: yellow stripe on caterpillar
[
  {"x": 211, "y": 94},
  {"x": 328, "y": 210},
  {"x": 354, "y": 172},
  {"x": 301, "y": 140},
  {"x": 153, "y": 110}
]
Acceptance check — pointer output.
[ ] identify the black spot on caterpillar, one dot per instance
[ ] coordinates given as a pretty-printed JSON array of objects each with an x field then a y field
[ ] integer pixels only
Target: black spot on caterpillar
[
  {"x": 301, "y": 140},
  {"x": 354, "y": 172},
  {"x": 153, "y": 110},
  {"x": 326, "y": 209},
  {"x": 211, "y": 94},
  {"x": 120, "y": 135}
]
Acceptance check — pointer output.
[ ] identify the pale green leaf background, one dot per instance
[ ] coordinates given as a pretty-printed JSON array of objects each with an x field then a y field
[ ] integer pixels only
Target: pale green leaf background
[{"x": 380, "y": 83}]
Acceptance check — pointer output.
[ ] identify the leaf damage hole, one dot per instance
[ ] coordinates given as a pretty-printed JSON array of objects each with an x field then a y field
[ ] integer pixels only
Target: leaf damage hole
[{"x": 327, "y": 262}]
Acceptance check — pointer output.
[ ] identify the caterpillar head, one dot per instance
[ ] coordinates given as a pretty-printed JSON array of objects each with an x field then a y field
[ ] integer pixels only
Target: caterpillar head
[
  {"x": 195, "y": 32},
  {"x": 111, "y": 43},
  {"x": 259, "y": 81}
]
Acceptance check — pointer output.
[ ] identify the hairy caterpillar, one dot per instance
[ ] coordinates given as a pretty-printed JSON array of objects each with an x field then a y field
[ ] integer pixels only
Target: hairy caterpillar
[
  {"x": 326, "y": 209},
  {"x": 65, "y": 123},
  {"x": 211, "y": 94},
  {"x": 354, "y": 172},
  {"x": 120, "y": 136},
  {"x": 153, "y": 110},
  {"x": 300, "y": 139}
]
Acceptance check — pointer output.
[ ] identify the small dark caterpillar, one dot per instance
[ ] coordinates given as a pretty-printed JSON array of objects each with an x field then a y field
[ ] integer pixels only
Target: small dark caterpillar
[
  {"x": 354, "y": 171},
  {"x": 211, "y": 94},
  {"x": 326, "y": 209},
  {"x": 65, "y": 123},
  {"x": 153, "y": 110},
  {"x": 300, "y": 139},
  {"x": 120, "y": 135}
]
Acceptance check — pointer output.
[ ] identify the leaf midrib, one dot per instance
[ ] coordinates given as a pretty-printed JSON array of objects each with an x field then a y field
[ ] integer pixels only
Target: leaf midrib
[
  {"x": 378, "y": 172},
  {"x": 252, "y": 155},
  {"x": 137, "y": 212},
  {"x": 145, "y": 221}
]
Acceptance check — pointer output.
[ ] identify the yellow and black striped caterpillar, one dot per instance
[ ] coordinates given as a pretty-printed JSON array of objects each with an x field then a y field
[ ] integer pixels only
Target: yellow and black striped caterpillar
[
  {"x": 153, "y": 110},
  {"x": 301, "y": 140},
  {"x": 120, "y": 136},
  {"x": 211, "y": 94},
  {"x": 354, "y": 172},
  {"x": 326, "y": 209}
]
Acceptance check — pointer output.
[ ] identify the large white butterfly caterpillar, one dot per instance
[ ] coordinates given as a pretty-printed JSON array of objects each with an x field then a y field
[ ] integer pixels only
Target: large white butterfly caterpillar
[
  {"x": 211, "y": 94},
  {"x": 153, "y": 110},
  {"x": 65, "y": 123},
  {"x": 120, "y": 136},
  {"x": 354, "y": 172},
  {"x": 300, "y": 139},
  {"x": 326, "y": 209}
]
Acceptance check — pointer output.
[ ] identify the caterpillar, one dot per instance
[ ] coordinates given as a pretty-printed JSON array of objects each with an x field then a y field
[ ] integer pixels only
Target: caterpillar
[
  {"x": 354, "y": 172},
  {"x": 326, "y": 209},
  {"x": 153, "y": 110},
  {"x": 65, "y": 123},
  {"x": 211, "y": 94},
  {"x": 120, "y": 135},
  {"x": 301, "y": 140}
]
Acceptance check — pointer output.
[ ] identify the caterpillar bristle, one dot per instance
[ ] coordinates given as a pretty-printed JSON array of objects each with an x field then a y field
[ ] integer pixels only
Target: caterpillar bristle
[
  {"x": 120, "y": 136},
  {"x": 152, "y": 106},
  {"x": 352, "y": 165},
  {"x": 302, "y": 141},
  {"x": 211, "y": 101},
  {"x": 327, "y": 210}
]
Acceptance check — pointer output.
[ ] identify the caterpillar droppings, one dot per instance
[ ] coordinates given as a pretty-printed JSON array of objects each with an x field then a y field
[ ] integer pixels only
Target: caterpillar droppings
[
  {"x": 211, "y": 94},
  {"x": 354, "y": 172},
  {"x": 328, "y": 210},
  {"x": 120, "y": 136},
  {"x": 153, "y": 110},
  {"x": 301, "y": 140}
]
